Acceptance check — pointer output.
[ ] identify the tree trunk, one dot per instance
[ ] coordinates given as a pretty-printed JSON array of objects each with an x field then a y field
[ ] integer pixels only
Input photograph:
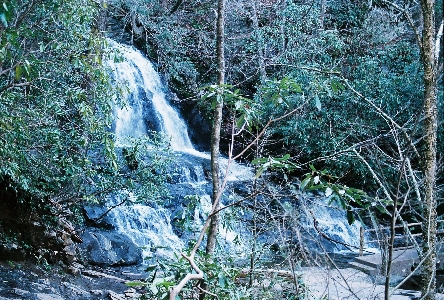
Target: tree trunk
[
  {"x": 259, "y": 40},
  {"x": 217, "y": 123},
  {"x": 322, "y": 15},
  {"x": 430, "y": 132}
]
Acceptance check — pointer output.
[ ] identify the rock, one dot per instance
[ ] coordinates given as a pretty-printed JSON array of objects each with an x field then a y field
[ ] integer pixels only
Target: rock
[
  {"x": 96, "y": 274},
  {"x": 105, "y": 248},
  {"x": 66, "y": 237},
  {"x": 70, "y": 253},
  {"x": 132, "y": 294},
  {"x": 94, "y": 212},
  {"x": 12, "y": 252},
  {"x": 2, "y": 298},
  {"x": 114, "y": 296},
  {"x": 66, "y": 225},
  {"x": 97, "y": 292},
  {"x": 22, "y": 293},
  {"x": 73, "y": 271},
  {"x": 42, "y": 296},
  {"x": 75, "y": 290}
]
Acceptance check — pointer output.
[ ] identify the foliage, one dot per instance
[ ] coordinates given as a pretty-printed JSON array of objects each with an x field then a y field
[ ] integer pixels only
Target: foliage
[
  {"x": 351, "y": 200},
  {"x": 56, "y": 110},
  {"x": 54, "y": 107}
]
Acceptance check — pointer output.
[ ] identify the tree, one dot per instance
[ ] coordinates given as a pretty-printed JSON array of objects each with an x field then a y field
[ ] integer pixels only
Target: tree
[
  {"x": 217, "y": 123},
  {"x": 430, "y": 47},
  {"x": 54, "y": 108}
]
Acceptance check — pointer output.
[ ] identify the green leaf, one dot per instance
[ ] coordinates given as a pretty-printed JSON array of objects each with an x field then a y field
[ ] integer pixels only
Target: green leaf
[
  {"x": 135, "y": 283},
  {"x": 350, "y": 217},
  {"x": 305, "y": 182},
  {"x": 259, "y": 173},
  {"x": 240, "y": 121},
  {"x": 150, "y": 268},
  {"x": 18, "y": 72},
  {"x": 3, "y": 19},
  {"x": 318, "y": 103},
  {"x": 222, "y": 280}
]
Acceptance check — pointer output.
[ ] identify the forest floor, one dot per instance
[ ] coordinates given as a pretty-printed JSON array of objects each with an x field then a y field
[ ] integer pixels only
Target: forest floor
[
  {"x": 39, "y": 282},
  {"x": 350, "y": 283},
  {"x": 29, "y": 281}
]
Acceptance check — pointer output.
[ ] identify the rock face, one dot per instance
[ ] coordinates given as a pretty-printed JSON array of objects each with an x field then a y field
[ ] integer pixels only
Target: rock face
[{"x": 105, "y": 248}]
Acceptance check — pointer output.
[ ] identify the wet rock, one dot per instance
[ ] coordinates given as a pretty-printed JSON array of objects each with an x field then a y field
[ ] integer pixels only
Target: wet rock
[
  {"x": 95, "y": 215},
  {"x": 42, "y": 296},
  {"x": 132, "y": 294},
  {"x": 76, "y": 291},
  {"x": 96, "y": 274},
  {"x": 114, "y": 296},
  {"x": 73, "y": 271},
  {"x": 43, "y": 288},
  {"x": 105, "y": 248},
  {"x": 22, "y": 293}
]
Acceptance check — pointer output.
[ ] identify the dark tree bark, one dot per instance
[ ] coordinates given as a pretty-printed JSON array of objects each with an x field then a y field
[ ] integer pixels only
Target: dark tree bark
[
  {"x": 430, "y": 62},
  {"x": 215, "y": 135}
]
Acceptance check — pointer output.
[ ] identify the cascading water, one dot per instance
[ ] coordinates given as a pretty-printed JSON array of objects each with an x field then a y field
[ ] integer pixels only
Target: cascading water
[
  {"x": 144, "y": 84},
  {"x": 144, "y": 96},
  {"x": 149, "y": 227}
]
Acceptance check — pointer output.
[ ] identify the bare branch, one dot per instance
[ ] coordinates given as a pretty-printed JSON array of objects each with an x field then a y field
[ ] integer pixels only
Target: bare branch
[
  {"x": 409, "y": 19},
  {"x": 265, "y": 128},
  {"x": 383, "y": 114},
  {"x": 438, "y": 41}
]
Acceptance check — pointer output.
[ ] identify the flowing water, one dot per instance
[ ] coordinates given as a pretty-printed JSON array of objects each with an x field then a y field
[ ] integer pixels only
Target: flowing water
[{"x": 146, "y": 108}]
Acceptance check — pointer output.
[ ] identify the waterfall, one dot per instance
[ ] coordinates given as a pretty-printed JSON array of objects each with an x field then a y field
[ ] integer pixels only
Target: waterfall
[
  {"x": 144, "y": 84},
  {"x": 145, "y": 108},
  {"x": 146, "y": 104}
]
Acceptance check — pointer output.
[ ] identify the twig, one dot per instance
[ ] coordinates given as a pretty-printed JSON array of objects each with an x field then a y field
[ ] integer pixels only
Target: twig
[
  {"x": 315, "y": 224},
  {"x": 265, "y": 128},
  {"x": 109, "y": 209},
  {"x": 207, "y": 292}
]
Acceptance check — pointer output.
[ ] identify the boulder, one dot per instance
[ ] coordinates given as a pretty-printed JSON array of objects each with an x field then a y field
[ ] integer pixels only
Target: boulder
[
  {"x": 108, "y": 248},
  {"x": 96, "y": 215}
]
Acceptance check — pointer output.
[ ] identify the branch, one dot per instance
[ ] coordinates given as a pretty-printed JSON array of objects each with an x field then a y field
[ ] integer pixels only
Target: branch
[
  {"x": 315, "y": 223},
  {"x": 409, "y": 18},
  {"x": 346, "y": 150},
  {"x": 382, "y": 113},
  {"x": 411, "y": 274},
  {"x": 109, "y": 209},
  {"x": 265, "y": 128},
  {"x": 207, "y": 292},
  {"x": 308, "y": 69},
  {"x": 375, "y": 176},
  {"x": 438, "y": 42},
  {"x": 176, "y": 290},
  {"x": 234, "y": 203}
]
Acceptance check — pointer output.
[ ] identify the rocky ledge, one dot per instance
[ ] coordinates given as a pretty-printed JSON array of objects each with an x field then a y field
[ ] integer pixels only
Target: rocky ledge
[{"x": 23, "y": 280}]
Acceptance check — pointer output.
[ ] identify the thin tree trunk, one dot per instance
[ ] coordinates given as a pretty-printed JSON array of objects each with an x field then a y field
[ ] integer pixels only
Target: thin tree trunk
[
  {"x": 259, "y": 40},
  {"x": 322, "y": 15},
  {"x": 217, "y": 123},
  {"x": 428, "y": 285}
]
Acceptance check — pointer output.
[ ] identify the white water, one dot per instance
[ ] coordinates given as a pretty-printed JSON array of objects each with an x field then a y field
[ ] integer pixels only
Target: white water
[
  {"x": 150, "y": 227},
  {"x": 147, "y": 227},
  {"x": 144, "y": 83}
]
